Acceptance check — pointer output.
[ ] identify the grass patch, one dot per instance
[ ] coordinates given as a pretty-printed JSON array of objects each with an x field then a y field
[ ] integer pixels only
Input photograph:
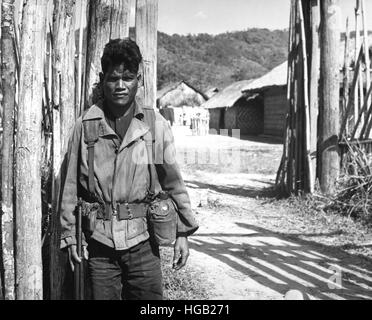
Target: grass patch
[
  {"x": 186, "y": 284},
  {"x": 354, "y": 196}
]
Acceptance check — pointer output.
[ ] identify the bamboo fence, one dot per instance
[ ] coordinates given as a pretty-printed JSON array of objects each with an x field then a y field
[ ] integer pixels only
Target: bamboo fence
[
  {"x": 296, "y": 171},
  {"x": 356, "y": 122},
  {"x": 300, "y": 168}
]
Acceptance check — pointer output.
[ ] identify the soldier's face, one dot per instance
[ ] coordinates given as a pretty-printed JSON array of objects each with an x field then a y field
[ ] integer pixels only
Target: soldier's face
[{"x": 120, "y": 86}]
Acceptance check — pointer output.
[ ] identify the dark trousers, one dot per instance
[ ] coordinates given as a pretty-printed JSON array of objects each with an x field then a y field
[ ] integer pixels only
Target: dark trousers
[{"x": 133, "y": 274}]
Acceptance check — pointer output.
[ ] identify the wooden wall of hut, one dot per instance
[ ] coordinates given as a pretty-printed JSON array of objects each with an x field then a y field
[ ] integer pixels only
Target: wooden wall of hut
[
  {"x": 247, "y": 116},
  {"x": 216, "y": 118},
  {"x": 276, "y": 108}
]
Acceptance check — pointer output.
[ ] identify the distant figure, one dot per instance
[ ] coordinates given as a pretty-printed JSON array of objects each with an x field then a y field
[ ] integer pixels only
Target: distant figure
[{"x": 199, "y": 122}]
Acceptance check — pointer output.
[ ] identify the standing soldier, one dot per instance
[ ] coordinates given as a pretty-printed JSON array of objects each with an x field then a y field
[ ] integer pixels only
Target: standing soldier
[{"x": 123, "y": 195}]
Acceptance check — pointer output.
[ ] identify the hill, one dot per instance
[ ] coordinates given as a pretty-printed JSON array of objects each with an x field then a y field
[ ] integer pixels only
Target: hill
[{"x": 207, "y": 61}]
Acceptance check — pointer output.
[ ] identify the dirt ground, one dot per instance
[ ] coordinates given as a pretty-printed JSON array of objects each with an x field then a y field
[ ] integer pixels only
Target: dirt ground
[{"x": 252, "y": 246}]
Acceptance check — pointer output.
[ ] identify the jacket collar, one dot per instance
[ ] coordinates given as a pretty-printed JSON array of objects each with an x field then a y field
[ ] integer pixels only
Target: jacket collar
[
  {"x": 96, "y": 112},
  {"x": 136, "y": 130}
]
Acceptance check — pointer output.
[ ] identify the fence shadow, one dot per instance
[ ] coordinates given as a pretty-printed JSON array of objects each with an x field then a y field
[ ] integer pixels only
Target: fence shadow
[
  {"x": 284, "y": 262},
  {"x": 250, "y": 192}
]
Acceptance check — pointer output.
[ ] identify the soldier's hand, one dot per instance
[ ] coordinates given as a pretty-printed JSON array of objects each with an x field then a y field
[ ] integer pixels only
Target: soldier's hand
[
  {"x": 73, "y": 257},
  {"x": 181, "y": 253}
]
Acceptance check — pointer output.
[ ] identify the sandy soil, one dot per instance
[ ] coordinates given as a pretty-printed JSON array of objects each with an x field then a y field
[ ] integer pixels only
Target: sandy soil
[{"x": 252, "y": 247}]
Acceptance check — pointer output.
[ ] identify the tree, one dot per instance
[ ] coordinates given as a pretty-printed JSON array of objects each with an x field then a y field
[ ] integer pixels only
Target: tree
[{"x": 28, "y": 153}]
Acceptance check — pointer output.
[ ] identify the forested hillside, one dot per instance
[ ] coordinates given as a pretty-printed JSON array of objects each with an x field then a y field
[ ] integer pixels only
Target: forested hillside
[
  {"x": 207, "y": 61},
  {"x": 216, "y": 61}
]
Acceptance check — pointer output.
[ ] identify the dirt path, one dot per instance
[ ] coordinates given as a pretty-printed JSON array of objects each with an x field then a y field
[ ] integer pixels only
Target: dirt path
[
  {"x": 244, "y": 259},
  {"x": 249, "y": 247}
]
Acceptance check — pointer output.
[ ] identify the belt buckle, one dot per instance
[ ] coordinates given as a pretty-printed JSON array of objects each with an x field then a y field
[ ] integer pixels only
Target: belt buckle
[
  {"x": 115, "y": 211},
  {"x": 130, "y": 214}
]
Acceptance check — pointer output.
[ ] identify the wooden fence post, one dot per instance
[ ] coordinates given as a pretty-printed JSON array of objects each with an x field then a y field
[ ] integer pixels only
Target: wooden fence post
[
  {"x": 108, "y": 19},
  {"x": 366, "y": 44},
  {"x": 314, "y": 84},
  {"x": 63, "y": 83},
  {"x": 329, "y": 149},
  {"x": 146, "y": 38},
  {"x": 359, "y": 94},
  {"x": 345, "y": 95},
  {"x": 28, "y": 153},
  {"x": 64, "y": 113},
  {"x": 81, "y": 54},
  {"x": 8, "y": 79}
]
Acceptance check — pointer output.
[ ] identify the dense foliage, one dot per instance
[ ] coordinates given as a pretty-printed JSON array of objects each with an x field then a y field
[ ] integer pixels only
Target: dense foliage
[{"x": 207, "y": 61}]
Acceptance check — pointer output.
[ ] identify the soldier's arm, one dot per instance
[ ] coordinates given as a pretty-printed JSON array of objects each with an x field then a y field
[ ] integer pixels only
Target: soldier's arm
[
  {"x": 171, "y": 180},
  {"x": 69, "y": 197}
]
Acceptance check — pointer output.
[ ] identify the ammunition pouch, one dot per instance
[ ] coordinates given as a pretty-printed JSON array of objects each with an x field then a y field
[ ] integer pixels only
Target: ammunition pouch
[
  {"x": 162, "y": 220},
  {"x": 161, "y": 216}
]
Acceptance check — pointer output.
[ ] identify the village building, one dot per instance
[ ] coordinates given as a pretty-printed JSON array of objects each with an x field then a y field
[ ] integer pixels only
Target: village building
[
  {"x": 230, "y": 109},
  {"x": 184, "y": 99},
  {"x": 255, "y": 107},
  {"x": 272, "y": 88}
]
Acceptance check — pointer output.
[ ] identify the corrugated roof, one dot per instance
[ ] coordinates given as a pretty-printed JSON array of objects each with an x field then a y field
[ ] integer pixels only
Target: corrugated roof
[
  {"x": 228, "y": 96},
  {"x": 276, "y": 77}
]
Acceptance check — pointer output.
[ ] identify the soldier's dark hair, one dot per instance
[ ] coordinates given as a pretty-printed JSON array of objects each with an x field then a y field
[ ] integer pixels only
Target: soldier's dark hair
[{"x": 118, "y": 51}]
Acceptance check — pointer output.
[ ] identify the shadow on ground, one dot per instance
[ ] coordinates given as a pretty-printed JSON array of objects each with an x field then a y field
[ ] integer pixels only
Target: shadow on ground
[
  {"x": 263, "y": 139},
  {"x": 284, "y": 262},
  {"x": 250, "y": 192}
]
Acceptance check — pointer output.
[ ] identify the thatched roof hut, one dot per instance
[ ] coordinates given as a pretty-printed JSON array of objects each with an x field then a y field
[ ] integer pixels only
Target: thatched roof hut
[
  {"x": 228, "y": 96},
  {"x": 180, "y": 94},
  {"x": 272, "y": 87},
  {"x": 230, "y": 109},
  {"x": 277, "y": 77}
]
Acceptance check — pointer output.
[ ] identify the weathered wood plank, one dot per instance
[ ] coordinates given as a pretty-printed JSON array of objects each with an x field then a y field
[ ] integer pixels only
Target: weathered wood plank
[
  {"x": 64, "y": 116},
  {"x": 108, "y": 19},
  {"x": 146, "y": 38},
  {"x": 329, "y": 149},
  {"x": 28, "y": 153},
  {"x": 8, "y": 84},
  {"x": 314, "y": 84}
]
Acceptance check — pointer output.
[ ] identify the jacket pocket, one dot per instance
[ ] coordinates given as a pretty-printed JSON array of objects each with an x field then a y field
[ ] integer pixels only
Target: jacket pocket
[{"x": 136, "y": 227}]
